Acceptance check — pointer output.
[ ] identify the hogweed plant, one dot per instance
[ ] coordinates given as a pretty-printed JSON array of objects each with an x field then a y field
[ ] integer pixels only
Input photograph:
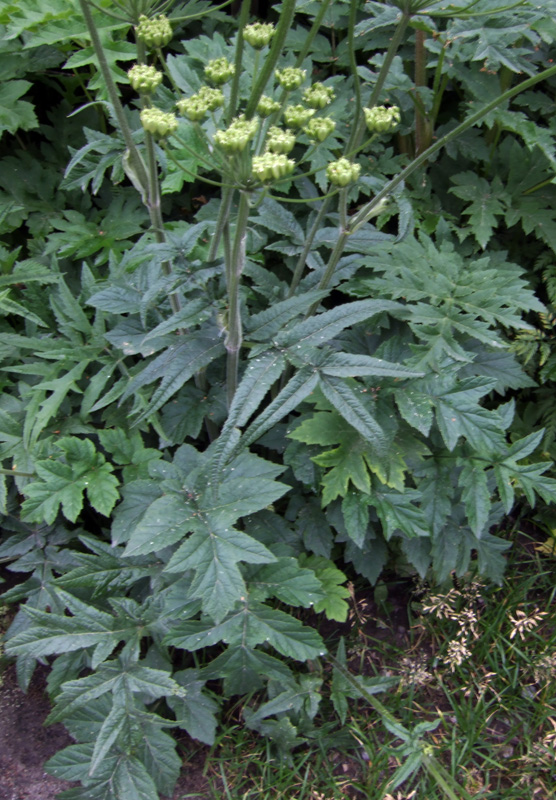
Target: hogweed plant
[{"x": 219, "y": 413}]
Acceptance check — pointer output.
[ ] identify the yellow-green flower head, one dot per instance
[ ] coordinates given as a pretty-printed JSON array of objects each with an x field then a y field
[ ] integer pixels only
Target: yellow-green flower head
[
  {"x": 267, "y": 106},
  {"x": 158, "y": 122},
  {"x": 279, "y": 141},
  {"x": 235, "y": 138},
  {"x": 259, "y": 34},
  {"x": 319, "y": 128},
  {"x": 290, "y": 78},
  {"x": 342, "y": 172},
  {"x": 381, "y": 119},
  {"x": 154, "y": 32},
  {"x": 297, "y": 116},
  {"x": 219, "y": 70},
  {"x": 198, "y": 105},
  {"x": 318, "y": 95},
  {"x": 194, "y": 108},
  {"x": 214, "y": 98},
  {"x": 144, "y": 79},
  {"x": 272, "y": 166}
]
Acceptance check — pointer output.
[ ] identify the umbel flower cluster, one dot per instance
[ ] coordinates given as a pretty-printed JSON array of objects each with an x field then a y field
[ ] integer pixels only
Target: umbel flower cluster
[
  {"x": 270, "y": 161},
  {"x": 155, "y": 32}
]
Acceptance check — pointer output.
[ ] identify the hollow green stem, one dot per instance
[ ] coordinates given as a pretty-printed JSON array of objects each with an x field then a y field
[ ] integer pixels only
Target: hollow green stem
[
  {"x": 234, "y": 93},
  {"x": 164, "y": 65},
  {"x": 353, "y": 6},
  {"x": 314, "y": 29},
  {"x": 300, "y": 266},
  {"x": 188, "y": 149},
  {"x": 395, "y": 43},
  {"x": 134, "y": 155},
  {"x": 200, "y": 14},
  {"x": 175, "y": 161},
  {"x": 221, "y": 221},
  {"x": 367, "y": 211},
  {"x": 17, "y": 474},
  {"x": 302, "y": 200},
  {"x": 284, "y": 24},
  {"x": 234, "y": 271}
]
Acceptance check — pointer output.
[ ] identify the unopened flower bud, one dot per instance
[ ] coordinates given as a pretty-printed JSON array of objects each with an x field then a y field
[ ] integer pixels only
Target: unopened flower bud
[
  {"x": 272, "y": 166},
  {"x": 193, "y": 108},
  {"x": 219, "y": 71},
  {"x": 158, "y": 122},
  {"x": 319, "y": 128},
  {"x": 279, "y": 141},
  {"x": 235, "y": 138},
  {"x": 144, "y": 79},
  {"x": 154, "y": 32},
  {"x": 214, "y": 98},
  {"x": 267, "y": 106},
  {"x": 381, "y": 119},
  {"x": 318, "y": 95},
  {"x": 297, "y": 116},
  {"x": 342, "y": 172},
  {"x": 198, "y": 105},
  {"x": 259, "y": 34},
  {"x": 290, "y": 78}
]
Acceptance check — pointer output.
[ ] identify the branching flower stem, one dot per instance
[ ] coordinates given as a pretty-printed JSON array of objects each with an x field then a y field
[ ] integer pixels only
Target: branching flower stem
[
  {"x": 395, "y": 43},
  {"x": 300, "y": 266},
  {"x": 367, "y": 211},
  {"x": 243, "y": 19},
  {"x": 147, "y": 176},
  {"x": 286, "y": 17},
  {"x": 371, "y": 208}
]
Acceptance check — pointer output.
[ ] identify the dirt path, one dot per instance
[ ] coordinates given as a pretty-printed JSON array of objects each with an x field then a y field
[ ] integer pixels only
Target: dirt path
[{"x": 25, "y": 745}]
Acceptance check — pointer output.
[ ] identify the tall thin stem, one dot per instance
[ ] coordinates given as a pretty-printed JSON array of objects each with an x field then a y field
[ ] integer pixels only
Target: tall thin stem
[
  {"x": 370, "y": 208},
  {"x": 367, "y": 211},
  {"x": 395, "y": 43},
  {"x": 422, "y": 123},
  {"x": 234, "y": 271},
  {"x": 286, "y": 17},
  {"x": 221, "y": 222},
  {"x": 134, "y": 155},
  {"x": 147, "y": 176},
  {"x": 302, "y": 260},
  {"x": 234, "y": 93},
  {"x": 314, "y": 29}
]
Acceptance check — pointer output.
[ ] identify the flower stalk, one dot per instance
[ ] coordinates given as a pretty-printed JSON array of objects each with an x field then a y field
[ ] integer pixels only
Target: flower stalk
[{"x": 234, "y": 270}]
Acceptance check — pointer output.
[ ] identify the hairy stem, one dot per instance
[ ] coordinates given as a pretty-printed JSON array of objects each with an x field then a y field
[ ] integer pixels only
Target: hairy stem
[
  {"x": 370, "y": 209},
  {"x": 395, "y": 42},
  {"x": 422, "y": 124},
  {"x": 300, "y": 266},
  {"x": 243, "y": 18},
  {"x": 367, "y": 211},
  {"x": 147, "y": 176},
  {"x": 234, "y": 271},
  {"x": 134, "y": 155},
  {"x": 284, "y": 24},
  {"x": 221, "y": 222}
]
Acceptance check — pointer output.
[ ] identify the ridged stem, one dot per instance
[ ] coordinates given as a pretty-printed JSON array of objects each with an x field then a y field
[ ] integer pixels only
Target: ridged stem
[
  {"x": 367, "y": 211},
  {"x": 234, "y": 92},
  {"x": 300, "y": 266},
  {"x": 395, "y": 43},
  {"x": 234, "y": 271},
  {"x": 284, "y": 24}
]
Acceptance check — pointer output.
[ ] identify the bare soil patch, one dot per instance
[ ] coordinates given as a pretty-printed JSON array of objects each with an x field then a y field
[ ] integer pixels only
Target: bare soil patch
[{"x": 26, "y": 744}]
